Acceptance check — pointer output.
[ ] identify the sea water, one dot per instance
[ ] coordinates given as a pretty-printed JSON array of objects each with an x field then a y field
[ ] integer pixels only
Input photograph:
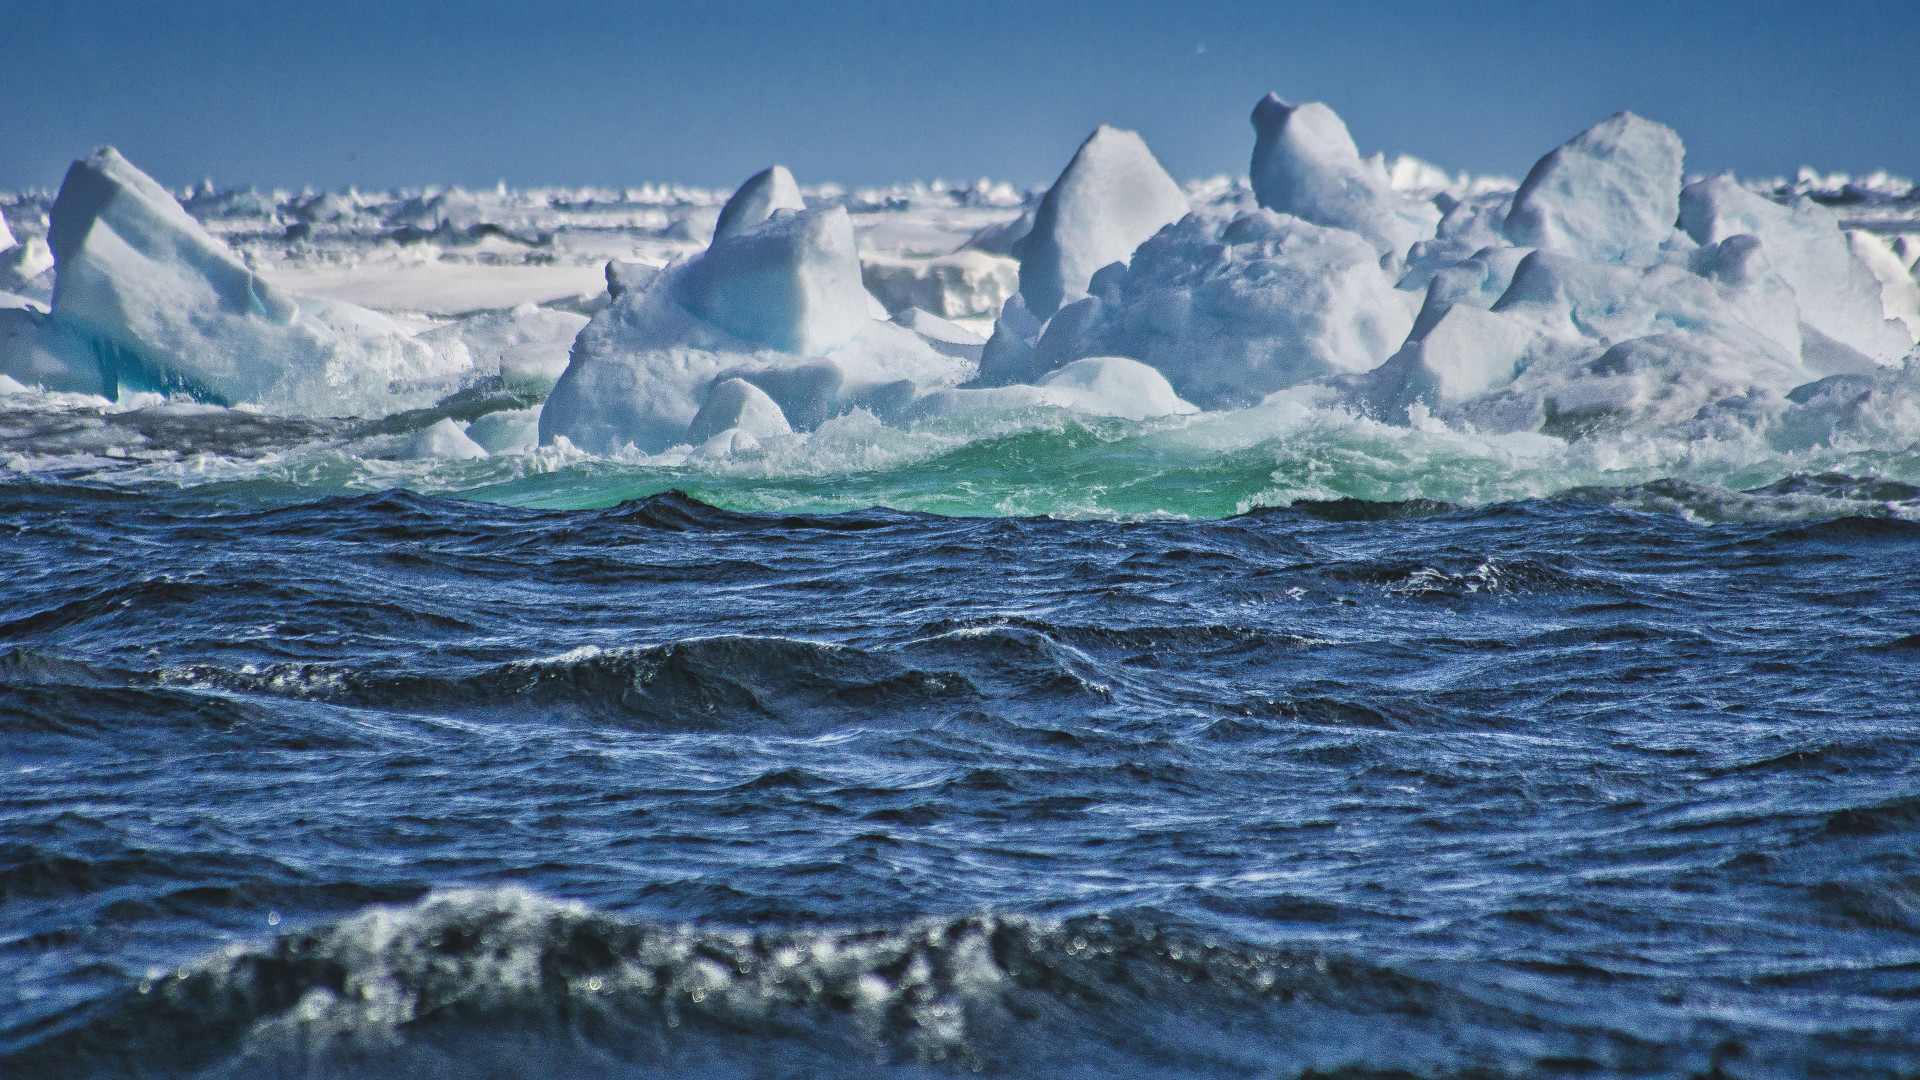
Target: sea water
[{"x": 1265, "y": 744}]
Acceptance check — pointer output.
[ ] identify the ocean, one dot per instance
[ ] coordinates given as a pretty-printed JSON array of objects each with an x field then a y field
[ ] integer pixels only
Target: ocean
[
  {"x": 386, "y": 694},
  {"x": 722, "y": 780}
]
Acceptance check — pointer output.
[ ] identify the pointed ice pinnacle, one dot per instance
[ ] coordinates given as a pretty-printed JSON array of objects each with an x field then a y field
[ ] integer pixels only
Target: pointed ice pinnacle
[
  {"x": 1111, "y": 197},
  {"x": 777, "y": 306},
  {"x": 1306, "y": 164},
  {"x": 1609, "y": 191},
  {"x": 106, "y": 190},
  {"x": 756, "y": 200}
]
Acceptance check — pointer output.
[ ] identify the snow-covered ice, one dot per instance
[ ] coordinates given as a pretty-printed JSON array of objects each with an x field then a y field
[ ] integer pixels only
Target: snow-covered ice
[
  {"x": 527, "y": 344},
  {"x": 778, "y": 308},
  {"x": 1095, "y": 386},
  {"x": 1232, "y": 310},
  {"x": 1112, "y": 196},
  {"x": 168, "y": 307},
  {"x": 1899, "y": 291},
  {"x": 968, "y": 283},
  {"x": 1838, "y": 295},
  {"x": 765, "y": 193},
  {"x": 790, "y": 283},
  {"x": 1604, "y": 302},
  {"x": 1606, "y": 195},
  {"x": 737, "y": 405},
  {"x": 1305, "y": 164}
]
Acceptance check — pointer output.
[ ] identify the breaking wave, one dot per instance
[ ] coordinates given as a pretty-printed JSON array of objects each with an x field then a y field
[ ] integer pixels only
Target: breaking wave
[
  {"x": 504, "y": 982},
  {"x": 1025, "y": 463}
]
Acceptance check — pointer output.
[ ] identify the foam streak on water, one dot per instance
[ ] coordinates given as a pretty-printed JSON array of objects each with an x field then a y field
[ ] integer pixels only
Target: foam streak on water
[{"x": 388, "y": 784}]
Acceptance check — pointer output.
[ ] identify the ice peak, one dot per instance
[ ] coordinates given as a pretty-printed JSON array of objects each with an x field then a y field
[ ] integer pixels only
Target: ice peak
[
  {"x": 764, "y": 192},
  {"x": 1609, "y": 191},
  {"x": 1109, "y": 199},
  {"x": 163, "y": 305},
  {"x": 1305, "y": 163}
]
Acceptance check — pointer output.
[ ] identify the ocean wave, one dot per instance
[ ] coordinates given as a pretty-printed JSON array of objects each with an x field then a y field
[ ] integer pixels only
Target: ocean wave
[
  {"x": 509, "y": 983},
  {"x": 512, "y": 982},
  {"x": 736, "y": 683}
]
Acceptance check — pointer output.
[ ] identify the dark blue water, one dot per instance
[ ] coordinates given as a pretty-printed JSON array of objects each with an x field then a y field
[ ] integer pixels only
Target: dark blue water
[{"x": 398, "y": 785}]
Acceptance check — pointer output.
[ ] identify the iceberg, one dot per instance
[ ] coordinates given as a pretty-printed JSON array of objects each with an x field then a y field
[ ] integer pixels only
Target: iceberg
[
  {"x": 1007, "y": 356},
  {"x": 507, "y": 431},
  {"x": 23, "y": 262},
  {"x": 626, "y": 275},
  {"x": 1899, "y": 292},
  {"x": 1112, "y": 196},
  {"x": 791, "y": 283},
  {"x": 528, "y": 346},
  {"x": 36, "y": 350},
  {"x": 1468, "y": 228},
  {"x": 1477, "y": 281},
  {"x": 1578, "y": 349},
  {"x": 1569, "y": 300},
  {"x": 1305, "y": 164},
  {"x": 736, "y": 404},
  {"x": 161, "y": 305},
  {"x": 1652, "y": 383},
  {"x": 443, "y": 440},
  {"x": 1609, "y": 320},
  {"x": 965, "y": 284},
  {"x": 1599, "y": 299},
  {"x": 1117, "y": 386},
  {"x": 776, "y": 308},
  {"x": 1467, "y": 352}
]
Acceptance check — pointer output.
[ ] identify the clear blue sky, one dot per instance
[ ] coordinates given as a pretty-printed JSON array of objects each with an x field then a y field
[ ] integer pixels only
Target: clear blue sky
[{"x": 559, "y": 91}]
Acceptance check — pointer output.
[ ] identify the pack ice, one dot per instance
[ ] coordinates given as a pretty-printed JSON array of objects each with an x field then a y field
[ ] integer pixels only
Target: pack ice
[
  {"x": 1605, "y": 295},
  {"x": 1601, "y": 296}
]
